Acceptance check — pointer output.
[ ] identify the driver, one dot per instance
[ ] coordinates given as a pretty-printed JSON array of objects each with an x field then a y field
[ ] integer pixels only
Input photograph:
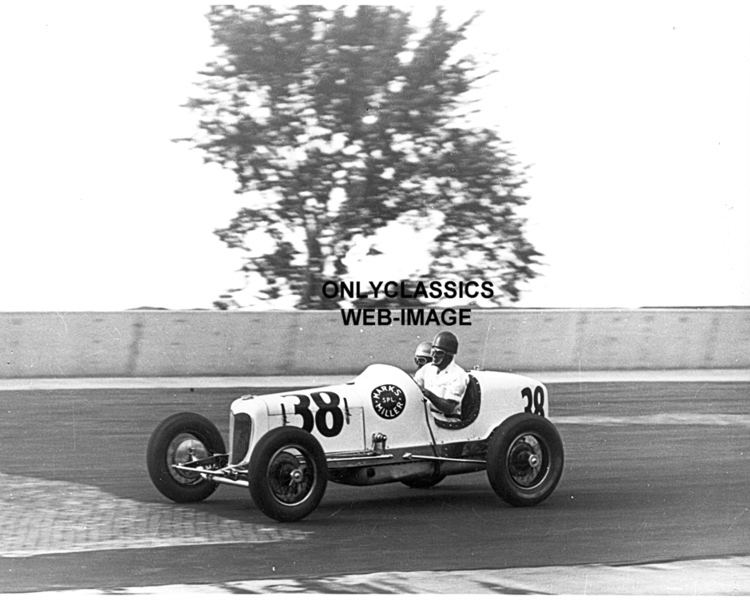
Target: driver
[
  {"x": 423, "y": 354},
  {"x": 442, "y": 381}
]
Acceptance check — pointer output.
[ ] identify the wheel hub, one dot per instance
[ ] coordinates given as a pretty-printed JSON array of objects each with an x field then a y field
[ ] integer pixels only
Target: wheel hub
[
  {"x": 526, "y": 461},
  {"x": 289, "y": 475},
  {"x": 184, "y": 449}
]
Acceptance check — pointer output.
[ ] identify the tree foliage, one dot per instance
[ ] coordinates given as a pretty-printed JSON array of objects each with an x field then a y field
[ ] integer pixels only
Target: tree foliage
[{"x": 345, "y": 121}]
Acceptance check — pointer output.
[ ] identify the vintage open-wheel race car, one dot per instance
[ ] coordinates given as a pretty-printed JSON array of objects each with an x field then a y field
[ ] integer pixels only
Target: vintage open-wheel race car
[{"x": 285, "y": 447}]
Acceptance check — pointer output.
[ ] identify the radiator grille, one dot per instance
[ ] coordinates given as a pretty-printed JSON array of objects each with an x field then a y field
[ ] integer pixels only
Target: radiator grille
[{"x": 241, "y": 425}]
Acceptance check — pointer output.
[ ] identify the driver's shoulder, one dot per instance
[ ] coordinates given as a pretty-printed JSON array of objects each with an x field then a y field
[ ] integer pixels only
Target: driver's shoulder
[{"x": 458, "y": 370}]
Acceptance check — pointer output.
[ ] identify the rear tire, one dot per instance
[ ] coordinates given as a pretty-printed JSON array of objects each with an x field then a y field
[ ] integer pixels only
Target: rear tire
[
  {"x": 288, "y": 474},
  {"x": 524, "y": 459},
  {"x": 174, "y": 441}
]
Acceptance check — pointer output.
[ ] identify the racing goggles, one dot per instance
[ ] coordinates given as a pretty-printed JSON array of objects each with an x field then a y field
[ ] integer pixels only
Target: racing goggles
[
  {"x": 421, "y": 361},
  {"x": 438, "y": 355}
]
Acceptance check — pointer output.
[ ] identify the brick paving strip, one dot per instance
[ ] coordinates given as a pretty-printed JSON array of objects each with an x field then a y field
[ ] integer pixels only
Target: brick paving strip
[{"x": 38, "y": 516}]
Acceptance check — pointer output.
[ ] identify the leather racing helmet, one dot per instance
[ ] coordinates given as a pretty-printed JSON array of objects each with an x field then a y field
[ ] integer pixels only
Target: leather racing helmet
[{"x": 446, "y": 341}]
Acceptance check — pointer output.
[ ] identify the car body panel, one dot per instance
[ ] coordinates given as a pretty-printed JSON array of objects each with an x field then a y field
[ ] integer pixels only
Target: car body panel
[
  {"x": 384, "y": 401},
  {"x": 378, "y": 428}
]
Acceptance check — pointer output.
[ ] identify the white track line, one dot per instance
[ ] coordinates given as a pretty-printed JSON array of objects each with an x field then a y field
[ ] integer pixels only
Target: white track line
[
  {"x": 721, "y": 576},
  {"x": 700, "y": 419},
  {"x": 302, "y": 381}
]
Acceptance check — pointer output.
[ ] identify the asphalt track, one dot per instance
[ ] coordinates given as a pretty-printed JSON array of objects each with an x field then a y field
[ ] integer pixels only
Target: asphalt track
[{"x": 657, "y": 473}]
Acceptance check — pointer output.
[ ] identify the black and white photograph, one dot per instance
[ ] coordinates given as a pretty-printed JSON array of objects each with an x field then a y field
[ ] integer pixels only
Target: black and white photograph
[{"x": 347, "y": 298}]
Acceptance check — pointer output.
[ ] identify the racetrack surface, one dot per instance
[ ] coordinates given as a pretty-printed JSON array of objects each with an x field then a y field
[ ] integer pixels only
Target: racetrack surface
[{"x": 655, "y": 473}]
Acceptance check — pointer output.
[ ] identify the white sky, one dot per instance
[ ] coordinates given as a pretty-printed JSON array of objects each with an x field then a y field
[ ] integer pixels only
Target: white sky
[{"x": 633, "y": 116}]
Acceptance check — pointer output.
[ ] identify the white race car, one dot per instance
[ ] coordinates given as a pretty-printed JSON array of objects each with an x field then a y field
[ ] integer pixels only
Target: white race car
[{"x": 286, "y": 446}]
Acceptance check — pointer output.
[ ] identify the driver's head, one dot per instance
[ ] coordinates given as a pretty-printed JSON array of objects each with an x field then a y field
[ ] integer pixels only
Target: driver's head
[
  {"x": 423, "y": 354},
  {"x": 444, "y": 348}
]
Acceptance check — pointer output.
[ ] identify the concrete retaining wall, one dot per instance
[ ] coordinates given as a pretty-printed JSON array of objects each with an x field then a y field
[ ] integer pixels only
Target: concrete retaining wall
[{"x": 165, "y": 343}]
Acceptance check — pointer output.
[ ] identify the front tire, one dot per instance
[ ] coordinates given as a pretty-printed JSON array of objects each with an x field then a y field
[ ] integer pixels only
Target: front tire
[
  {"x": 288, "y": 474},
  {"x": 524, "y": 459},
  {"x": 179, "y": 439}
]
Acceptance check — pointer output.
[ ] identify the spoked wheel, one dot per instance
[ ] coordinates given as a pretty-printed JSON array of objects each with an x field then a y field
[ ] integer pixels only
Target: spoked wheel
[
  {"x": 525, "y": 459},
  {"x": 182, "y": 438},
  {"x": 528, "y": 462},
  {"x": 288, "y": 474}
]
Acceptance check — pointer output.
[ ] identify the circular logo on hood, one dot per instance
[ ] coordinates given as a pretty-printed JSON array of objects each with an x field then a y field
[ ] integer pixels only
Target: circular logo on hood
[{"x": 388, "y": 401}]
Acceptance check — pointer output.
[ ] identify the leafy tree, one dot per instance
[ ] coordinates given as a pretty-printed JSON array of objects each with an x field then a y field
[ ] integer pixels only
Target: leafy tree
[{"x": 344, "y": 121}]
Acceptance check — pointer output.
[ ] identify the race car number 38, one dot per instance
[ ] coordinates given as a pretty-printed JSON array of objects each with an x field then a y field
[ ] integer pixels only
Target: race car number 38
[{"x": 328, "y": 418}]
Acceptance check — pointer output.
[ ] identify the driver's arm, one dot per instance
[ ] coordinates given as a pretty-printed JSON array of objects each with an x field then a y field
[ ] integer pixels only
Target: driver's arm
[{"x": 444, "y": 405}]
